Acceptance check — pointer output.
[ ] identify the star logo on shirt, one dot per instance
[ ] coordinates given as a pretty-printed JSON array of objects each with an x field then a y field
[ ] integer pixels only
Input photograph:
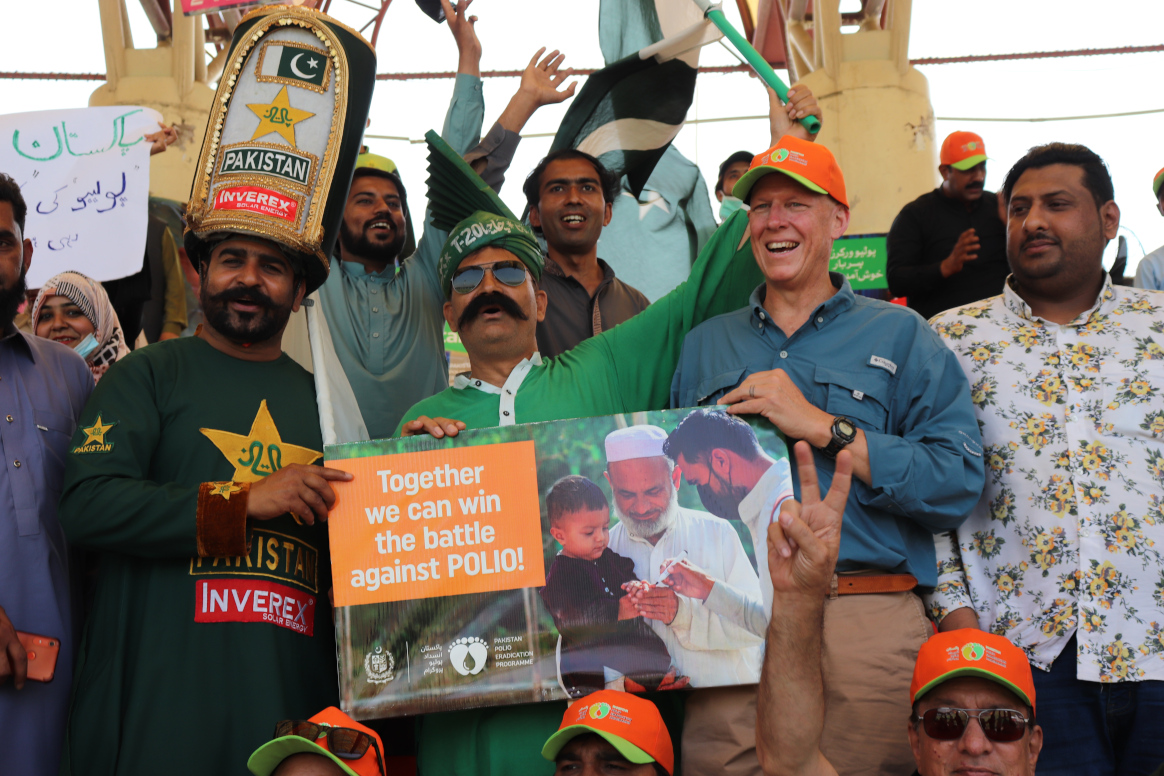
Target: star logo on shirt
[
  {"x": 279, "y": 117},
  {"x": 259, "y": 452},
  {"x": 95, "y": 438},
  {"x": 224, "y": 489},
  {"x": 95, "y": 434}
]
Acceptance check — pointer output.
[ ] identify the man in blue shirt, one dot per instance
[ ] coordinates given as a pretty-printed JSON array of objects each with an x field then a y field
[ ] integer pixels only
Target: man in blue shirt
[
  {"x": 844, "y": 372},
  {"x": 43, "y": 388}
]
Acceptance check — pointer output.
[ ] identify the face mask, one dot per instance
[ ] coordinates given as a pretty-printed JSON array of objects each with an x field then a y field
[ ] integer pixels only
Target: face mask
[
  {"x": 729, "y": 206},
  {"x": 86, "y": 346}
]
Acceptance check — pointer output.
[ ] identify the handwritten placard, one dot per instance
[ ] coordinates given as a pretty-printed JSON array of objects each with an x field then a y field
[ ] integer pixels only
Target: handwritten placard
[
  {"x": 860, "y": 258},
  {"x": 85, "y": 178}
]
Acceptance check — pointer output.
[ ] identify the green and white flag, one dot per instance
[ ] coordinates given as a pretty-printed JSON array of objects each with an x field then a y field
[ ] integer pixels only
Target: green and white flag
[
  {"x": 298, "y": 65},
  {"x": 628, "y": 113}
]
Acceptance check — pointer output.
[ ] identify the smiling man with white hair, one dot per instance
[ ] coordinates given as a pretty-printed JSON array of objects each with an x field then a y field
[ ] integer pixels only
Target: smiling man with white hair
[{"x": 654, "y": 530}]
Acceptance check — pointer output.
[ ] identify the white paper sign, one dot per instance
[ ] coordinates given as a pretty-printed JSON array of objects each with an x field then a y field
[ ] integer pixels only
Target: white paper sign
[{"x": 85, "y": 176}]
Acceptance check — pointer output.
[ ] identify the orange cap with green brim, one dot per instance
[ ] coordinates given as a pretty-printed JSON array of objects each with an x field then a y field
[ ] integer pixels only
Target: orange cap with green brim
[
  {"x": 264, "y": 760},
  {"x": 630, "y": 724},
  {"x": 971, "y": 652},
  {"x": 962, "y": 150},
  {"x": 1157, "y": 182},
  {"x": 810, "y": 164}
]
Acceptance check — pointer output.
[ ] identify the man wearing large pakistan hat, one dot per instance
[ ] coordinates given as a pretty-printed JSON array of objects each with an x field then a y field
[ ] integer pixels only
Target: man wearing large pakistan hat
[
  {"x": 194, "y": 477},
  {"x": 489, "y": 270}
]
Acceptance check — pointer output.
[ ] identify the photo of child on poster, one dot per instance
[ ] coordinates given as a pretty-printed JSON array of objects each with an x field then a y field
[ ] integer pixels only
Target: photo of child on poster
[{"x": 653, "y": 538}]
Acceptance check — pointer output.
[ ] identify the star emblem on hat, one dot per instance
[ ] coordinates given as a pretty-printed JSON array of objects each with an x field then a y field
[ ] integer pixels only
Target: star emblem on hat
[
  {"x": 95, "y": 434},
  {"x": 279, "y": 117},
  {"x": 259, "y": 452}
]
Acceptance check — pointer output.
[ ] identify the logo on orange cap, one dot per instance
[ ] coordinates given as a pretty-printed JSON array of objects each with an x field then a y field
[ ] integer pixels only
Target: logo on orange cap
[
  {"x": 630, "y": 724},
  {"x": 963, "y": 150},
  {"x": 810, "y": 164},
  {"x": 970, "y": 652}
]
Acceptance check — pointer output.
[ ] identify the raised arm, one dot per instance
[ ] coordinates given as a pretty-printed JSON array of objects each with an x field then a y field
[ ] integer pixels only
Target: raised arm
[
  {"x": 784, "y": 118},
  {"x": 541, "y": 84},
  {"x": 802, "y": 553}
]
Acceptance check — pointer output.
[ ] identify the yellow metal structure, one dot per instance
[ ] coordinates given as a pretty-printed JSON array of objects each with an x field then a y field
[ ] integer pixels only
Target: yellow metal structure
[
  {"x": 878, "y": 120},
  {"x": 171, "y": 79}
]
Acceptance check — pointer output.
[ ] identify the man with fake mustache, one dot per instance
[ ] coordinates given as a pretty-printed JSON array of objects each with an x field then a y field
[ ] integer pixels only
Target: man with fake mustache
[
  {"x": 948, "y": 246},
  {"x": 382, "y": 301}
]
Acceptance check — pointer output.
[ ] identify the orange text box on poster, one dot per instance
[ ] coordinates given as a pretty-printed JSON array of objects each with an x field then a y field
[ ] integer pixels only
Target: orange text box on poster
[{"x": 436, "y": 523}]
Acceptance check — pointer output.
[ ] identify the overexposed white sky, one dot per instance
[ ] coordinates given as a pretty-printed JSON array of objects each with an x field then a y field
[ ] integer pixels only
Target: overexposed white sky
[{"x": 64, "y": 36}]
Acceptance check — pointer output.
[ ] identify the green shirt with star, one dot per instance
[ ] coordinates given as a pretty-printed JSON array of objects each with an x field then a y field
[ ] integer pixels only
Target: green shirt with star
[{"x": 177, "y": 646}]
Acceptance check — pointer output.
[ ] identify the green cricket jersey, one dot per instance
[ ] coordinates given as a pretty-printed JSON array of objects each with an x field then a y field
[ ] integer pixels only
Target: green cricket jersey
[{"x": 187, "y": 663}]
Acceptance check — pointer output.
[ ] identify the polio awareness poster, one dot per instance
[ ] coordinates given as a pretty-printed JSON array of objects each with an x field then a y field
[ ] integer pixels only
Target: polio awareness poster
[{"x": 543, "y": 561}]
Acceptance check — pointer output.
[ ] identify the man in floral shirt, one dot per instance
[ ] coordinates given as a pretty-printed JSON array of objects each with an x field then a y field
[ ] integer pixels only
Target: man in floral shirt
[{"x": 1062, "y": 554}]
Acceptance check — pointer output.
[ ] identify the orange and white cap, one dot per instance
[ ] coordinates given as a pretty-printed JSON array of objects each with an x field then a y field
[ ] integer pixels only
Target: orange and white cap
[
  {"x": 971, "y": 652},
  {"x": 631, "y": 724},
  {"x": 810, "y": 164},
  {"x": 962, "y": 150}
]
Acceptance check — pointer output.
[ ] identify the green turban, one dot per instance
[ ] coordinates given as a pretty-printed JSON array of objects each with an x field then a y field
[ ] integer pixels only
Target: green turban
[{"x": 483, "y": 229}]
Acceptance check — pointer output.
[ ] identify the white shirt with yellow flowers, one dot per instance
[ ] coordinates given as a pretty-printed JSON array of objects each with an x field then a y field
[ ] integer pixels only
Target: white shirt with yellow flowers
[{"x": 1068, "y": 534}]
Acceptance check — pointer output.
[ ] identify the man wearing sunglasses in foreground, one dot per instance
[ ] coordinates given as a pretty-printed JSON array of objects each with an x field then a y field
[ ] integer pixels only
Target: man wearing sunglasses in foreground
[
  {"x": 329, "y": 744},
  {"x": 972, "y": 692}
]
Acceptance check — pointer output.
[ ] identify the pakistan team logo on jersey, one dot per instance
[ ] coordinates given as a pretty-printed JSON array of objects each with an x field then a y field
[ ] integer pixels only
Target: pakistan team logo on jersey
[
  {"x": 259, "y": 452},
  {"x": 95, "y": 438}
]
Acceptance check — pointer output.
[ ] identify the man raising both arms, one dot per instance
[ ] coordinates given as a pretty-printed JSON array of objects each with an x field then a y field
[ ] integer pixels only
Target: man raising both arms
[{"x": 382, "y": 302}]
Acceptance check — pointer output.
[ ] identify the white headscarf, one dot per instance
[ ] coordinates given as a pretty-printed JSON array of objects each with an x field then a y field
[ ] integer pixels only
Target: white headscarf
[{"x": 94, "y": 304}]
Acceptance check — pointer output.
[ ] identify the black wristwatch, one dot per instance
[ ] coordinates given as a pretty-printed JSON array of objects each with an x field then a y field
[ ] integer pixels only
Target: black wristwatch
[{"x": 844, "y": 432}]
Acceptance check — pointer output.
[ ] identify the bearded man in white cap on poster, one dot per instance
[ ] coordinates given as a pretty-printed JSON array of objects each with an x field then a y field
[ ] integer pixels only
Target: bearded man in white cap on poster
[{"x": 653, "y": 530}]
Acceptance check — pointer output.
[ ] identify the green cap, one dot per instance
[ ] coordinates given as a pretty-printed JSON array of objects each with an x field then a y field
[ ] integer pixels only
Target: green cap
[
  {"x": 483, "y": 229},
  {"x": 462, "y": 204}
]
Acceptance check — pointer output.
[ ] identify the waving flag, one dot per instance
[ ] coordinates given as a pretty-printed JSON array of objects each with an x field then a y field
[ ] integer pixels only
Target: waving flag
[{"x": 628, "y": 113}]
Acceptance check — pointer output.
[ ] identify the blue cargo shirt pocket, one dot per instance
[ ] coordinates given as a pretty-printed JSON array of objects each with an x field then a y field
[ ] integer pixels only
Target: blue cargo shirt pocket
[
  {"x": 711, "y": 389},
  {"x": 862, "y": 396},
  {"x": 55, "y": 432}
]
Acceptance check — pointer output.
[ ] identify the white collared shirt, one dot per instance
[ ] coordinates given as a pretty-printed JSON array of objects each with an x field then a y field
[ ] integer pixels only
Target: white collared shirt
[{"x": 506, "y": 413}]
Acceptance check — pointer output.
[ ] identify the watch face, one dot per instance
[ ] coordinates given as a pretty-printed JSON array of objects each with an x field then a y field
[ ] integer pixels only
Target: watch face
[{"x": 845, "y": 428}]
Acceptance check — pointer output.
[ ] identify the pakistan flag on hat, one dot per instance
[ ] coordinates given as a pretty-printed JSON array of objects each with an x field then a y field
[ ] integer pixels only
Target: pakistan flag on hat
[{"x": 283, "y": 136}]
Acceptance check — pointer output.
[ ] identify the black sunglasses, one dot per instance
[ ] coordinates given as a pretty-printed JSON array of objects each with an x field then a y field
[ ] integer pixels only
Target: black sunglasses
[
  {"x": 344, "y": 743},
  {"x": 511, "y": 273},
  {"x": 948, "y": 724}
]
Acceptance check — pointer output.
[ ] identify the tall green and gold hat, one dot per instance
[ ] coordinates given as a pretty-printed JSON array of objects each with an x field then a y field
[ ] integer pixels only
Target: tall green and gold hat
[{"x": 283, "y": 136}]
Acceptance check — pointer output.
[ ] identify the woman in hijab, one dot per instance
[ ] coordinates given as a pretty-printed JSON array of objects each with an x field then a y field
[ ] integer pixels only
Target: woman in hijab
[{"x": 75, "y": 311}]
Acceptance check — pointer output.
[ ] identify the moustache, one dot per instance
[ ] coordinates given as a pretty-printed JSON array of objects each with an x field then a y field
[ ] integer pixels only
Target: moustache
[
  {"x": 1040, "y": 236},
  {"x": 491, "y": 299},
  {"x": 254, "y": 295},
  {"x": 976, "y": 186}
]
